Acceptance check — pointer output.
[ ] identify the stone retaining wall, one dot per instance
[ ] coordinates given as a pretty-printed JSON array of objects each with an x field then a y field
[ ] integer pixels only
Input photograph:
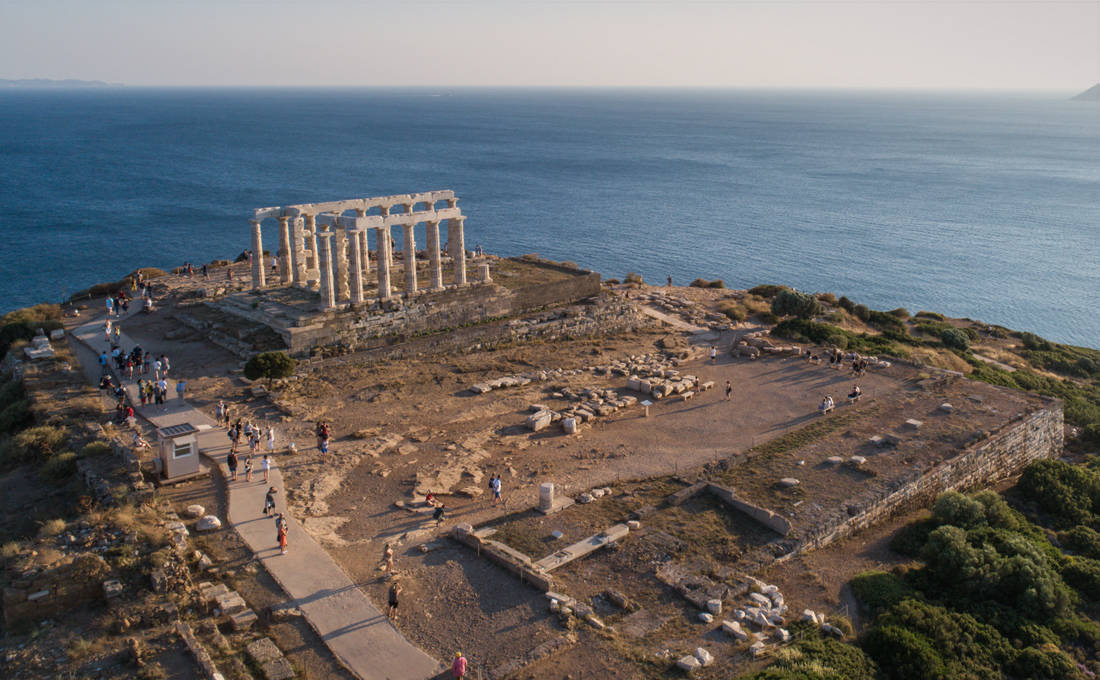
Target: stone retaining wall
[
  {"x": 1003, "y": 454},
  {"x": 500, "y": 554}
]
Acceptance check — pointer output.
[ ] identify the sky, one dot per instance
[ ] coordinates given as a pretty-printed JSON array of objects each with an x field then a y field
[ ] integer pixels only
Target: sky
[{"x": 963, "y": 44}]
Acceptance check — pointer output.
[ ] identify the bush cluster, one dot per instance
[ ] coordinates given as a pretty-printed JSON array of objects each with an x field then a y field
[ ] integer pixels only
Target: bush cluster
[
  {"x": 703, "y": 283},
  {"x": 796, "y": 304},
  {"x": 270, "y": 365}
]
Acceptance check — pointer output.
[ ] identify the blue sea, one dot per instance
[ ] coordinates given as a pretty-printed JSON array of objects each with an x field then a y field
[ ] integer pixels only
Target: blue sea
[{"x": 982, "y": 205}]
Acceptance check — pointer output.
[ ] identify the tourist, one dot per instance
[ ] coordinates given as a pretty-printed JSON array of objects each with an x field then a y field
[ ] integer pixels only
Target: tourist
[
  {"x": 386, "y": 564},
  {"x": 139, "y": 441},
  {"x": 205, "y": 272},
  {"x": 324, "y": 450},
  {"x": 248, "y": 430},
  {"x": 395, "y": 592},
  {"x": 146, "y": 362},
  {"x": 494, "y": 484},
  {"x": 458, "y": 668},
  {"x": 440, "y": 511},
  {"x": 430, "y": 500},
  {"x": 141, "y": 390},
  {"x": 227, "y": 416},
  {"x": 729, "y": 390},
  {"x": 110, "y": 306},
  {"x": 670, "y": 282},
  {"x": 274, "y": 264},
  {"x": 229, "y": 273},
  {"x": 280, "y": 533},
  {"x": 157, "y": 366},
  {"x": 231, "y": 463},
  {"x": 107, "y": 330},
  {"x": 162, "y": 386},
  {"x": 164, "y": 364},
  {"x": 181, "y": 388},
  {"x": 103, "y": 361},
  {"x": 248, "y": 468},
  {"x": 117, "y": 333},
  {"x": 855, "y": 394},
  {"x": 265, "y": 465},
  {"x": 219, "y": 411},
  {"x": 269, "y": 500},
  {"x": 105, "y": 382},
  {"x": 713, "y": 354},
  {"x": 148, "y": 391}
]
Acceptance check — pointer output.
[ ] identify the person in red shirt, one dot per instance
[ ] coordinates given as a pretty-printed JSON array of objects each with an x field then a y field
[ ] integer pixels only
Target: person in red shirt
[{"x": 458, "y": 668}]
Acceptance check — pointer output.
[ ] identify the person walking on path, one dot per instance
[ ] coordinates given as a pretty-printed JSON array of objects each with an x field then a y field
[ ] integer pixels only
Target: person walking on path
[
  {"x": 157, "y": 367},
  {"x": 110, "y": 306},
  {"x": 231, "y": 463},
  {"x": 181, "y": 388},
  {"x": 439, "y": 514},
  {"x": 164, "y": 364},
  {"x": 280, "y": 533},
  {"x": 265, "y": 465},
  {"x": 458, "y": 668},
  {"x": 494, "y": 484},
  {"x": 729, "y": 390},
  {"x": 387, "y": 559},
  {"x": 395, "y": 593},
  {"x": 270, "y": 439},
  {"x": 162, "y": 386},
  {"x": 107, "y": 330},
  {"x": 219, "y": 412},
  {"x": 713, "y": 354},
  {"x": 248, "y": 469},
  {"x": 269, "y": 500}
]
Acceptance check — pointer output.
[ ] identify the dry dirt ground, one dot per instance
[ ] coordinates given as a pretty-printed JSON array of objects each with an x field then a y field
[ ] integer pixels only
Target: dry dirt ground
[{"x": 395, "y": 423}]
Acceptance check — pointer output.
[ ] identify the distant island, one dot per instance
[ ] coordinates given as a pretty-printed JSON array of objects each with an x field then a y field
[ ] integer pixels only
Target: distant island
[
  {"x": 46, "y": 83},
  {"x": 1090, "y": 95}
]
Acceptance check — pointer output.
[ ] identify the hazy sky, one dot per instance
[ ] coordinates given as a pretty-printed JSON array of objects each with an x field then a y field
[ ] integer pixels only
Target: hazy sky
[{"x": 1001, "y": 44}]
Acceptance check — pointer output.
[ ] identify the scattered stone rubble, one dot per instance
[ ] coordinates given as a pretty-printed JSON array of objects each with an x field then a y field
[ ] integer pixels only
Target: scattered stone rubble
[{"x": 687, "y": 310}]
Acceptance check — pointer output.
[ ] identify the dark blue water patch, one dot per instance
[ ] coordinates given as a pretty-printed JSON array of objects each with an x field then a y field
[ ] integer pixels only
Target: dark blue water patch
[{"x": 978, "y": 205}]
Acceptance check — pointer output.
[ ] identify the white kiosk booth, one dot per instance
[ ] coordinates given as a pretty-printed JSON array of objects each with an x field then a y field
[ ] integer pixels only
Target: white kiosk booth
[{"x": 179, "y": 451}]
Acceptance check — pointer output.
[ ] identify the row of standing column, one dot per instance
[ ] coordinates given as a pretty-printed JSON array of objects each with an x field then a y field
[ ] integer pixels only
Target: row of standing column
[{"x": 341, "y": 269}]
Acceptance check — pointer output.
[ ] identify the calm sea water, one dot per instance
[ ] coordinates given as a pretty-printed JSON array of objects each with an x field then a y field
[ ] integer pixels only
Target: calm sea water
[{"x": 985, "y": 205}]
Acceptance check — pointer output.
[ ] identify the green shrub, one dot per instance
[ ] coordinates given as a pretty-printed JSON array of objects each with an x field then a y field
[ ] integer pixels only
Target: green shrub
[
  {"x": 767, "y": 290},
  {"x": 59, "y": 467},
  {"x": 818, "y": 658},
  {"x": 1034, "y": 342},
  {"x": 1083, "y": 574},
  {"x": 634, "y": 278},
  {"x": 38, "y": 443},
  {"x": 903, "y": 655},
  {"x": 22, "y": 324},
  {"x": 952, "y": 507},
  {"x": 17, "y": 414},
  {"x": 1046, "y": 664},
  {"x": 846, "y": 304},
  {"x": 703, "y": 283},
  {"x": 910, "y": 539},
  {"x": 733, "y": 310},
  {"x": 1082, "y": 540},
  {"x": 900, "y": 312},
  {"x": 955, "y": 338},
  {"x": 796, "y": 304},
  {"x": 1069, "y": 493},
  {"x": 768, "y": 317},
  {"x": 878, "y": 590},
  {"x": 862, "y": 312},
  {"x": 801, "y": 330},
  {"x": 930, "y": 315},
  {"x": 269, "y": 365},
  {"x": 827, "y": 298}
]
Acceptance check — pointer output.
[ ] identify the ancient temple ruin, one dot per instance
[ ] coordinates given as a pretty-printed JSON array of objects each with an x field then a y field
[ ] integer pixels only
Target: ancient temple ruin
[{"x": 322, "y": 248}]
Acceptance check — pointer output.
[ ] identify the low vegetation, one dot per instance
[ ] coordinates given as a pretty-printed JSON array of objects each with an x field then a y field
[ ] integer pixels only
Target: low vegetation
[{"x": 270, "y": 366}]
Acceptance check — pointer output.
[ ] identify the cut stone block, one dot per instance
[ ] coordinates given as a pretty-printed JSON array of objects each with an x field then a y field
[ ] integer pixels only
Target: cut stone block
[
  {"x": 688, "y": 663},
  {"x": 834, "y": 460},
  {"x": 913, "y": 423},
  {"x": 877, "y": 440},
  {"x": 242, "y": 620},
  {"x": 112, "y": 588},
  {"x": 705, "y": 657},
  {"x": 208, "y": 523},
  {"x": 734, "y": 628},
  {"x": 788, "y": 482},
  {"x": 857, "y": 460},
  {"x": 195, "y": 511},
  {"x": 714, "y": 606}
]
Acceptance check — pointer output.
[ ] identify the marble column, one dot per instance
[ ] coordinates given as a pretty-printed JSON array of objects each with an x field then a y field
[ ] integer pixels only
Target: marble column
[
  {"x": 311, "y": 246},
  {"x": 364, "y": 246},
  {"x": 284, "y": 250},
  {"x": 340, "y": 260},
  {"x": 355, "y": 266},
  {"x": 324, "y": 251},
  {"x": 410, "y": 259},
  {"x": 257, "y": 256},
  {"x": 458, "y": 248},
  {"x": 434, "y": 257},
  {"x": 297, "y": 254},
  {"x": 382, "y": 244}
]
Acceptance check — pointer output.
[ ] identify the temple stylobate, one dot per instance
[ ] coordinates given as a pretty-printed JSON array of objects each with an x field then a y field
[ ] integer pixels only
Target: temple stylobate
[{"x": 323, "y": 249}]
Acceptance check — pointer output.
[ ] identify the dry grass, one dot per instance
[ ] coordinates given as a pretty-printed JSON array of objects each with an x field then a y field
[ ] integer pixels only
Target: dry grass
[{"x": 51, "y": 527}]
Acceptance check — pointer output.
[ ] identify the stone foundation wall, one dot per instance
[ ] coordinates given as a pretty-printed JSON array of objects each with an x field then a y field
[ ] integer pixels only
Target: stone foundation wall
[
  {"x": 602, "y": 316},
  {"x": 454, "y": 309},
  {"x": 1003, "y": 454}
]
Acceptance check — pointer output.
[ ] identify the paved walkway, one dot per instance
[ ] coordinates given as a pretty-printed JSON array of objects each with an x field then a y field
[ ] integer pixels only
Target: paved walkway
[{"x": 360, "y": 636}]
